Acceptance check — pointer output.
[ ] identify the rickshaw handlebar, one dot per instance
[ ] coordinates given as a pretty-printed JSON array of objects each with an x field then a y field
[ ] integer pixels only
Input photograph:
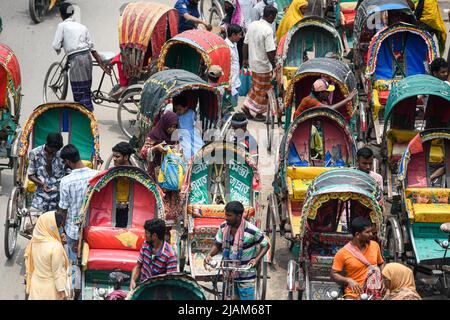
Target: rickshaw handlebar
[{"x": 222, "y": 265}]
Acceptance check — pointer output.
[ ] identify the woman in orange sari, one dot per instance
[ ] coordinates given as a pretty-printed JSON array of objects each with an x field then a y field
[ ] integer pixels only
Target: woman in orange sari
[{"x": 294, "y": 14}]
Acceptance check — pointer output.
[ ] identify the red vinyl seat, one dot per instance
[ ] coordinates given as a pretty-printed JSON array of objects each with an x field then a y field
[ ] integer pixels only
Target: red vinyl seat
[
  {"x": 383, "y": 97},
  {"x": 349, "y": 18},
  {"x": 110, "y": 259}
]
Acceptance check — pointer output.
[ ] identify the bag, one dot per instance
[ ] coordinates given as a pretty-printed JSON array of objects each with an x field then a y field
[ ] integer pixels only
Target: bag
[
  {"x": 172, "y": 171},
  {"x": 246, "y": 82}
]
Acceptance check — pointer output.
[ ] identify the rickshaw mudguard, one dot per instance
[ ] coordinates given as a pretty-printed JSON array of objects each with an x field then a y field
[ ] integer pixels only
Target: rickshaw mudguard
[{"x": 426, "y": 250}]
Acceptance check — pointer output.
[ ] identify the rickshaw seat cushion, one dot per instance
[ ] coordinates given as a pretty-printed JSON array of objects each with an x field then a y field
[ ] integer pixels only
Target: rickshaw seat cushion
[
  {"x": 397, "y": 141},
  {"x": 307, "y": 173},
  {"x": 101, "y": 237},
  {"x": 433, "y": 212},
  {"x": 216, "y": 211},
  {"x": 297, "y": 188},
  {"x": 110, "y": 259}
]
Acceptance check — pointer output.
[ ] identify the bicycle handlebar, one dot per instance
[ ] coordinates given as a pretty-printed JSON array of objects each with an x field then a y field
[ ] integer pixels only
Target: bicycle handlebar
[{"x": 221, "y": 265}]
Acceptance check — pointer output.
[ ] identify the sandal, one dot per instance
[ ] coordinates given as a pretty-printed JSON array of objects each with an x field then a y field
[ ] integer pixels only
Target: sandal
[
  {"x": 247, "y": 113},
  {"x": 260, "y": 118}
]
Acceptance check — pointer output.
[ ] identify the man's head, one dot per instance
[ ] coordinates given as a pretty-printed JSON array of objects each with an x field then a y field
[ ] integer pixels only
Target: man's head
[
  {"x": 365, "y": 159},
  {"x": 234, "y": 32},
  {"x": 239, "y": 121},
  {"x": 122, "y": 153},
  {"x": 214, "y": 73},
  {"x": 322, "y": 89},
  {"x": 439, "y": 69},
  {"x": 53, "y": 143},
  {"x": 66, "y": 10},
  {"x": 180, "y": 104},
  {"x": 270, "y": 13},
  {"x": 233, "y": 213},
  {"x": 70, "y": 155},
  {"x": 361, "y": 229},
  {"x": 155, "y": 230}
]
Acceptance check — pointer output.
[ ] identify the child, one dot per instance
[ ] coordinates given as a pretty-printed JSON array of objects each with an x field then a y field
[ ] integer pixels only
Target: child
[{"x": 190, "y": 138}]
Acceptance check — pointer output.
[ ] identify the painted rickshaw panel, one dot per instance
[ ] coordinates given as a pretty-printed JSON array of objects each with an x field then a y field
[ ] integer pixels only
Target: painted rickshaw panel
[
  {"x": 331, "y": 69},
  {"x": 423, "y": 220},
  {"x": 10, "y": 79},
  {"x": 194, "y": 46},
  {"x": 143, "y": 24}
]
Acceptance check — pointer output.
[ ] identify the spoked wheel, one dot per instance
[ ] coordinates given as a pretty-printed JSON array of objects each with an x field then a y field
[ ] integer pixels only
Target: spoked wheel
[
  {"x": 56, "y": 83},
  {"x": 217, "y": 186},
  {"x": 261, "y": 281},
  {"x": 212, "y": 11},
  {"x": 38, "y": 9},
  {"x": 391, "y": 245},
  {"x": 271, "y": 227},
  {"x": 12, "y": 223},
  {"x": 270, "y": 120},
  {"x": 128, "y": 113}
]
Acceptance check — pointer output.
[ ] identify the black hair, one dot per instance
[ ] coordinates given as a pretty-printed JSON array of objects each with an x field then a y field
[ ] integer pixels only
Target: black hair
[
  {"x": 359, "y": 224},
  {"x": 234, "y": 207},
  {"x": 437, "y": 64},
  {"x": 54, "y": 140},
  {"x": 124, "y": 148},
  {"x": 180, "y": 99},
  {"x": 70, "y": 153},
  {"x": 157, "y": 226},
  {"x": 234, "y": 29},
  {"x": 213, "y": 78},
  {"x": 239, "y": 116},
  {"x": 66, "y": 10},
  {"x": 365, "y": 153},
  {"x": 270, "y": 11}
]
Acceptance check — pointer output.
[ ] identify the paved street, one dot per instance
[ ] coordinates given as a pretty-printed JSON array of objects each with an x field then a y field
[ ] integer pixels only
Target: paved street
[{"x": 32, "y": 45}]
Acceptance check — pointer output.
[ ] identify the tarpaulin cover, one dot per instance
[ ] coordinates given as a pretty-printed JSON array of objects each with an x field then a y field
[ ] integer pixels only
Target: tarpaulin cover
[
  {"x": 211, "y": 47},
  {"x": 10, "y": 79}
]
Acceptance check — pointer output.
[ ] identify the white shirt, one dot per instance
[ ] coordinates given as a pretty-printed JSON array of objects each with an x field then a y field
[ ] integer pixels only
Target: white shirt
[
  {"x": 247, "y": 10},
  {"x": 260, "y": 40},
  {"x": 258, "y": 11},
  {"x": 73, "y": 37},
  {"x": 235, "y": 80}
]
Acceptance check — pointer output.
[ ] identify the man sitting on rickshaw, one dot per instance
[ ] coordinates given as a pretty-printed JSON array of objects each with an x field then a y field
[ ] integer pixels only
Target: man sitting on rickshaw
[
  {"x": 156, "y": 256},
  {"x": 239, "y": 239},
  {"x": 362, "y": 262},
  {"x": 45, "y": 170},
  {"x": 320, "y": 97}
]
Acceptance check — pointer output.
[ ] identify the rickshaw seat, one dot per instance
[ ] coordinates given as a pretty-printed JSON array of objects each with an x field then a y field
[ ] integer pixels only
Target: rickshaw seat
[
  {"x": 110, "y": 259},
  {"x": 299, "y": 178},
  {"x": 217, "y": 211},
  {"x": 101, "y": 237},
  {"x": 348, "y": 9},
  {"x": 397, "y": 141},
  {"x": 428, "y": 212}
]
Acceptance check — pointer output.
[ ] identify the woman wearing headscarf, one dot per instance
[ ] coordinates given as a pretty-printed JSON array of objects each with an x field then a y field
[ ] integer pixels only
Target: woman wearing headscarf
[
  {"x": 47, "y": 265},
  {"x": 399, "y": 282},
  {"x": 294, "y": 14}
]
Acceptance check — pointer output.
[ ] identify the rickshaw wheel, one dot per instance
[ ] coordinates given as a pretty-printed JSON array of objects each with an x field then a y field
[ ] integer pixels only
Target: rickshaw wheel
[
  {"x": 128, "y": 113},
  {"x": 12, "y": 224},
  {"x": 56, "y": 83},
  {"x": 261, "y": 281},
  {"x": 391, "y": 245},
  {"x": 38, "y": 9},
  {"x": 271, "y": 228},
  {"x": 270, "y": 120}
]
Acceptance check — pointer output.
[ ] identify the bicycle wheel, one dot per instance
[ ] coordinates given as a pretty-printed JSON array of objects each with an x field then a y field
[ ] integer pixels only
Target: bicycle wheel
[
  {"x": 38, "y": 9},
  {"x": 56, "y": 83},
  {"x": 261, "y": 281},
  {"x": 12, "y": 223},
  {"x": 270, "y": 121},
  {"x": 128, "y": 113}
]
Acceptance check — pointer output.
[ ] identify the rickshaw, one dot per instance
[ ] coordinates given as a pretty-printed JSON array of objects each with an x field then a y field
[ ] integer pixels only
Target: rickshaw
[
  {"x": 311, "y": 37},
  {"x": 10, "y": 104},
  {"x": 317, "y": 141},
  {"x": 143, "y": 28},
  {"x": 414, "y": 233},
  {"x": 171, "y": 286},
  {"x": 160, "y": 88},
  {"x": 394, "y": 53},
  {"x": 219, "y": 173},
  {"x": 335, "y": 72},
  {"x": 369, "y": 20},
  {"x": 195, "y": 51},
  {"x": 78, "y": 126},
  {"x": 108, "y": 241},
  {"x": 332, "y": 195},
  {"x": 408, "y": 112}
]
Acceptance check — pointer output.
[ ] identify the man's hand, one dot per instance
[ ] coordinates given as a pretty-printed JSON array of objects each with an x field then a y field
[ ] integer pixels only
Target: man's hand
[
  {"x": 61, "y": 295},
  {"x": 105, "y": 68},
  {"x": 352, "y": 94},
  {"x": 206, "y": 262},
  {"x": 253, "y": 262},
  {"x": 208, "y": 27},
  {"x": 160, "y": 147},
  {"x": 132, "y": 284},
  {"x": 354, "y": 286},
  {"x": 46, "y": 188}
]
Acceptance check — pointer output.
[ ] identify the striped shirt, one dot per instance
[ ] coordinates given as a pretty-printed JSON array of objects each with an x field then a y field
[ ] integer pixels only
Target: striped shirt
[
  {"x": 252, "y": 237},
  {"x": 307, "y": 102},
  {"x": 165, "y": 261}
]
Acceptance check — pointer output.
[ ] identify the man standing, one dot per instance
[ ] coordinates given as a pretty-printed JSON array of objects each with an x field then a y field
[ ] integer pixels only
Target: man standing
[
  {"x": 361, "y": 260},
  {"x": 364, "y": 157},
  {"x": 156, "y": 256},
  {"x": 122, "y": 153},
  {"x": 259, "y": 55},
  {"x": 76, "y": 41},
  {"x": 46, "y": 169},
  {"x": 238, "y": 239},
  {"x": 189, "y": 15},
  {"x": 72, "y": 191},
  {"x": 235, "y": 33}
]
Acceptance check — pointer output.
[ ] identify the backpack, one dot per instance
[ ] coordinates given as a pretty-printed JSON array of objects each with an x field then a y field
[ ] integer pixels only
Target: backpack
[{"x": 171, "y": 174}]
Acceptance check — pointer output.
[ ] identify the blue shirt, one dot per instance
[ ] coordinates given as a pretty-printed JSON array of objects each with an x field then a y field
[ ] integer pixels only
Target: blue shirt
[{"x": 185, "y": 6}]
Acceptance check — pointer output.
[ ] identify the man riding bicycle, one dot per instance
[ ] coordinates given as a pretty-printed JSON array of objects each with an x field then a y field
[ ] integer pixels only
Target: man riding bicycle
[{"x": 238, "y": 239}]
